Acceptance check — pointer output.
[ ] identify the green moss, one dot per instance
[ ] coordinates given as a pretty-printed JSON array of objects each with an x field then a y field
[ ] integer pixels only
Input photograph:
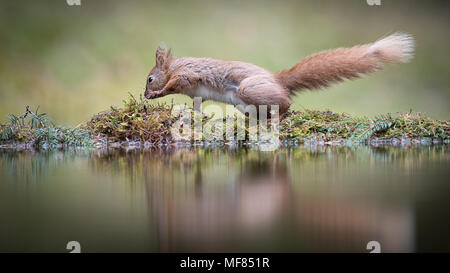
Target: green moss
[
  {"x": 38, "y": 130},
  {"x": 139, "y": 120},
  {"x": 329, "y": 126},
  {"x": 309, "y": 124},
  {"x": 416, "y": 125}
]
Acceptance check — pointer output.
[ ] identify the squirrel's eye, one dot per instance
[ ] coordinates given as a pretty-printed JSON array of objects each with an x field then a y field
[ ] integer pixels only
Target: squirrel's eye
[{"x": 150, "y": 79}]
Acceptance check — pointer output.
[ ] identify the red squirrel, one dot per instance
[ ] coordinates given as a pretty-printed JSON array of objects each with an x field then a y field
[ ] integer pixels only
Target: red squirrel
[{"x": 242, "y": 84}]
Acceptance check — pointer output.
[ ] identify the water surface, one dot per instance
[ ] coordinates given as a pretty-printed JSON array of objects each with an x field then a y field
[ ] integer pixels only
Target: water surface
[{"x": 304, "y": 199}]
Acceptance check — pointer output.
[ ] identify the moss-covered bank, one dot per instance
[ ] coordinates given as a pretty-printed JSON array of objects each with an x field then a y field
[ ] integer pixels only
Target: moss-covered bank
[{"x": 140, "y": 122}]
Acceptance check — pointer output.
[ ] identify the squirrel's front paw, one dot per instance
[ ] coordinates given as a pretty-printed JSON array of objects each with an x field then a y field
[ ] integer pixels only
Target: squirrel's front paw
[{"x": 153, "y": 95}]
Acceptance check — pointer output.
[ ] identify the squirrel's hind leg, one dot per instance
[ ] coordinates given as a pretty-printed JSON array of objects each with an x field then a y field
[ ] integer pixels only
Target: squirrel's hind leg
[{"x": 264, "y": 90}]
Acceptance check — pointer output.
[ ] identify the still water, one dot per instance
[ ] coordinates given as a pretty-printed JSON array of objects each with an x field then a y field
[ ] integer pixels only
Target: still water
[{"x": 303, "y": 199}]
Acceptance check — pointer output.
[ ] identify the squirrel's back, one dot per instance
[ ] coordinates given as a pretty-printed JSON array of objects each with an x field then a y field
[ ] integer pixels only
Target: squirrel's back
[{"x": 216, "y": 73}]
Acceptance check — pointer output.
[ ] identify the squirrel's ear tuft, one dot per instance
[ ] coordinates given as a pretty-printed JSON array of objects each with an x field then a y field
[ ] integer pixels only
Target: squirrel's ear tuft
[
  {"x": 169, "y": 54},
  {"x": 160, "y": 55}
]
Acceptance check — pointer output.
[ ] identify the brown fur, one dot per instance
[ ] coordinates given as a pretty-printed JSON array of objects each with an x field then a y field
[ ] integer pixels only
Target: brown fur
[
  {"x": 244, "y": 83},
  {"x": 322, "y": 69}
]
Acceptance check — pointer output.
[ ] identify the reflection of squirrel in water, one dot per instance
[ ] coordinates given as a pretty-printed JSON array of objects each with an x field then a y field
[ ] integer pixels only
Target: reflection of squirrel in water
[{"x": 242, "y": 84}]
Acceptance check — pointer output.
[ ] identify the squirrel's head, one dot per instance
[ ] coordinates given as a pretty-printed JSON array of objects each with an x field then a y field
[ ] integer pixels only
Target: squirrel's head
[{"x": 158, "y": 76}]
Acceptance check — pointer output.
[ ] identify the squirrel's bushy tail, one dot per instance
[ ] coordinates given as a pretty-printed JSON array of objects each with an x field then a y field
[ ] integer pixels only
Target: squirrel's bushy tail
[{"x": 324, "y": 68}]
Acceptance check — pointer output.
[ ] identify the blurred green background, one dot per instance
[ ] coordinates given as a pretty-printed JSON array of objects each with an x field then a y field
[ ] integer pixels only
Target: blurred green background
[{"x": 74, "y": 61}]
